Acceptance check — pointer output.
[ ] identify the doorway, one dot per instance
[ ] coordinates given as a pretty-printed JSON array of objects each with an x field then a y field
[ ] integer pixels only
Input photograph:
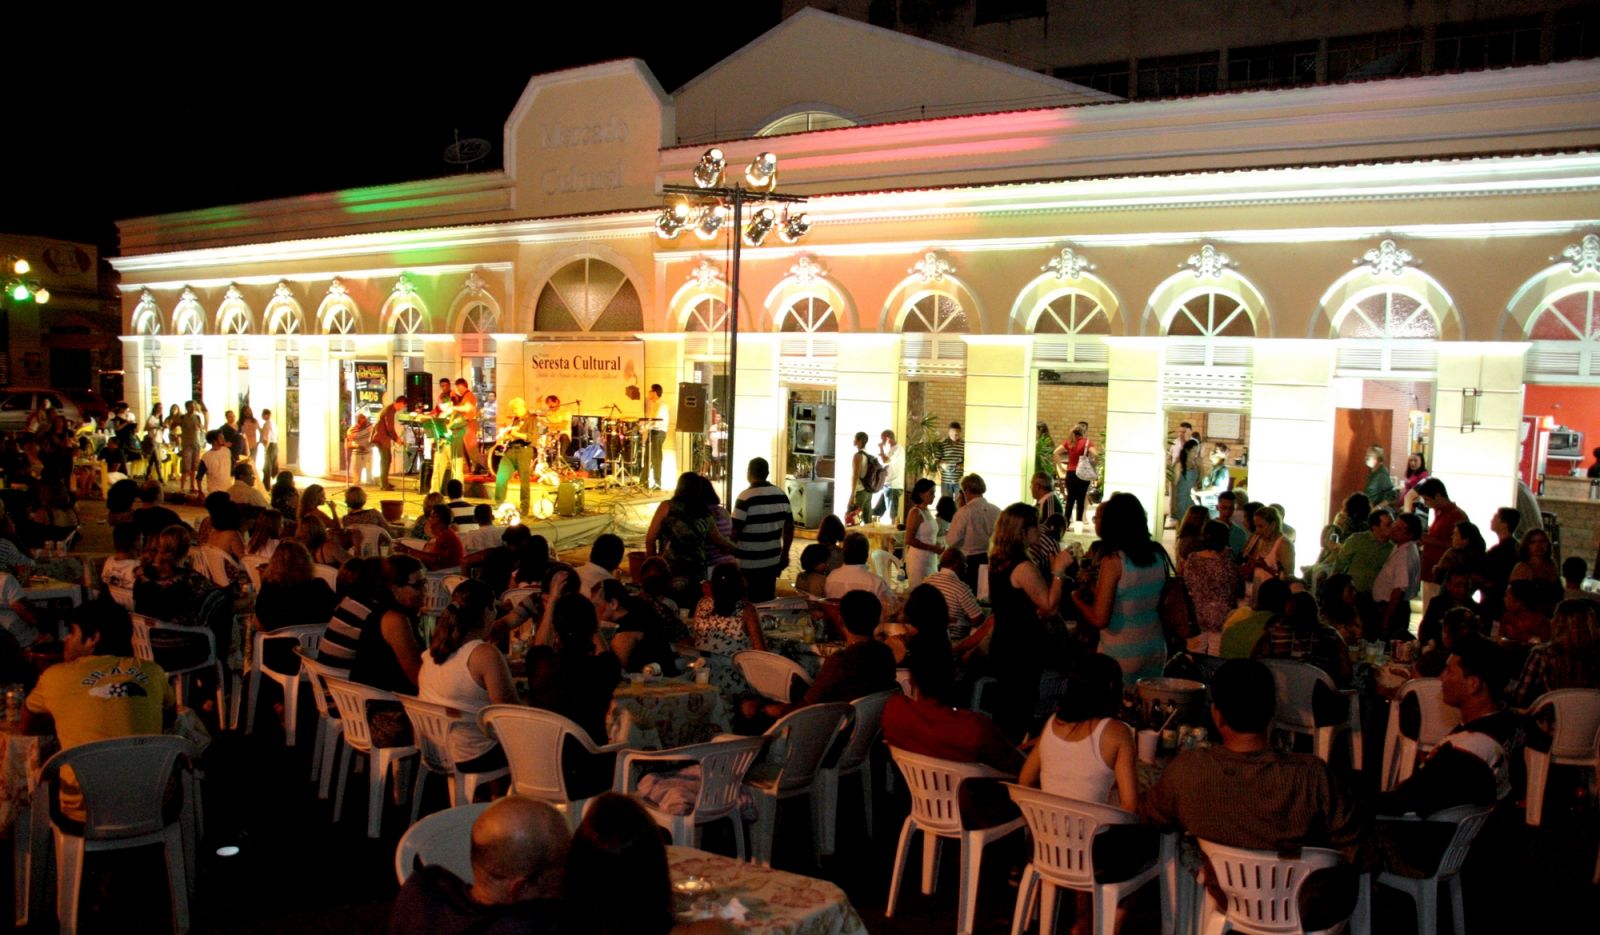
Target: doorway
[
  {"x": 1218, "y": 432},
  {"x": 1396, "y": 415}
]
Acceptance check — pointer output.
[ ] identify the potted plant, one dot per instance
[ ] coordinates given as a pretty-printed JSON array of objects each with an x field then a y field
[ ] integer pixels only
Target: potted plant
[{"x": 922, "y": 448}]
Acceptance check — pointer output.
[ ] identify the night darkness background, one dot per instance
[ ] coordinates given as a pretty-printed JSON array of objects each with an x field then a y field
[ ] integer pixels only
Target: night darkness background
[{"x": 157, "y": 108}]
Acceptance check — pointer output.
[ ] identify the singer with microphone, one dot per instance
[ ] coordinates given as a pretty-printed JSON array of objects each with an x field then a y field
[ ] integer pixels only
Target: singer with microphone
[{"x": 517, "y": 436}]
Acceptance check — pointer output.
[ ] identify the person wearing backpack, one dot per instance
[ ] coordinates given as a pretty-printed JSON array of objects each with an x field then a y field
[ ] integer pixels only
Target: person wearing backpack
[{"x": 867, "y": 475}]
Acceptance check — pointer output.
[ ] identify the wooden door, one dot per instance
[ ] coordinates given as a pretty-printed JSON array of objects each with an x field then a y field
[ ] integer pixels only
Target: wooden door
[{"x": 1354, "y": 431}]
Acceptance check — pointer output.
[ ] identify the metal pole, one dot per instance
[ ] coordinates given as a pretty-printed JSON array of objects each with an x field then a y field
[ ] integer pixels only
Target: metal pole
[{"x": 733, "y": 343}]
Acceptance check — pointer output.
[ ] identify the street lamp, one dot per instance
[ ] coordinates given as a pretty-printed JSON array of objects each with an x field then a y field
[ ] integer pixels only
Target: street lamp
[
  {"x": 707, "y": 207},
  {"x": 14, "y": 283}
]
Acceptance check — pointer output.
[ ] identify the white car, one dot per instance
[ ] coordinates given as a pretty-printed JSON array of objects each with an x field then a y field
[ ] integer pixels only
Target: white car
[{"x": 18, "y": 402}]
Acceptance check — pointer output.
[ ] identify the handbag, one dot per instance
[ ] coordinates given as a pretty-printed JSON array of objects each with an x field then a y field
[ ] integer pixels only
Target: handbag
[
  {"x": 1086, "y": 470},
  {"x": 1176, "y": 607}
]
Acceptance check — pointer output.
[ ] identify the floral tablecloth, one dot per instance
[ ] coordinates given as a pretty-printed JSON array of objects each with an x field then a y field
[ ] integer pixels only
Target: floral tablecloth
[
  {"x": 778, "y": 903},
  {"x": 667, "y": 711}
]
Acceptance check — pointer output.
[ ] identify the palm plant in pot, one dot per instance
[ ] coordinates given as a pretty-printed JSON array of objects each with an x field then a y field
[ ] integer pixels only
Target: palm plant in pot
[{"x": 922, "y": 449}]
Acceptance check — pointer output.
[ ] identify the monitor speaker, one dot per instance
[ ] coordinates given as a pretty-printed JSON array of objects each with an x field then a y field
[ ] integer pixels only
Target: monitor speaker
[
  {"x": 694, "y": 410},
  {"x": 419, "y": 390}
]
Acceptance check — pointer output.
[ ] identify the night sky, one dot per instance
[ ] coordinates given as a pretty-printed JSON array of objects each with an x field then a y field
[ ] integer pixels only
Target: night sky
[{"x": 117, "y": 115}]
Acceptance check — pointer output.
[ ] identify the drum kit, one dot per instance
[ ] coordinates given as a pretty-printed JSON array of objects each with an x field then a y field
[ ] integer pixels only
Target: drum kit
[{"x": 611, "y": 447}]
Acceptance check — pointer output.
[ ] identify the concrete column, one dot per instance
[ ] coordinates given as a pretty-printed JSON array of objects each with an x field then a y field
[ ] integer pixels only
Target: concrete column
[
  {"x": 174, "y": 373},
  {"x": 1478, "y": 464},
  {"x": 319, "y": 409},
  {"x": 868, "y": 367},
  {"x": 758, "y": 406},
  {"x": 1135, "y": 450},
  {"x": 1291, "y": 435},
  {"x": 998, "y": 424}
]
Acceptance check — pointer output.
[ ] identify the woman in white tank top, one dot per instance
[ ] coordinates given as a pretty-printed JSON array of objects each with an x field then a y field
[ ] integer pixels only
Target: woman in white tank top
[
  {"x": 462, "y": 671},
  {"x": 922, "y": 532},
  {"x": 1084, "y": 752}
]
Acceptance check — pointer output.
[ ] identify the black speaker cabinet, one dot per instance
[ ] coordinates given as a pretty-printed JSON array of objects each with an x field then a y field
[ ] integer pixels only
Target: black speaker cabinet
[
  {"x": 694, "y": 409},
  {"x": 419, "y": 390}
]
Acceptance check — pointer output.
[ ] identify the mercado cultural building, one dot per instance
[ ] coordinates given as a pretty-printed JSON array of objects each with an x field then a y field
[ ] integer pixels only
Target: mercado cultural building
[{"x": 1297, "y": 272}]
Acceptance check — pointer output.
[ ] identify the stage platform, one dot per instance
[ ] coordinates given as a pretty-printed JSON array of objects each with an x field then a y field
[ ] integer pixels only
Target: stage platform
[{"x": 625, "y": 511}]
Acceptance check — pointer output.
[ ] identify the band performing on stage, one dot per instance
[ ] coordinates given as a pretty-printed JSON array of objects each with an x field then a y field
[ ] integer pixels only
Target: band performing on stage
[{"x": 545, "y": 444}]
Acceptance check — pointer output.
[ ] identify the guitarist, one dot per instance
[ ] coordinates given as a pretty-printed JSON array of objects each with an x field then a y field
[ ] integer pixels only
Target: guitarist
[{"x": 518, "y": 435}]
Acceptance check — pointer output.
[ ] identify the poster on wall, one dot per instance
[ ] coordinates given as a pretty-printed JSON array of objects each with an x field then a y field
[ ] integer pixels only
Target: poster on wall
[
  {"x": 372, "y": 384},
  {"x": 588, "y": 376}
]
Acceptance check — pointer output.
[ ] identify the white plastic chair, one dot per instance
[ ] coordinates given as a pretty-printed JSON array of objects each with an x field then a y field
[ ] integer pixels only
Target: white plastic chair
[
  {"x": 148, "y": 632},
  {"x": 1575, "y": 740},
  {"x": 1063, "y": 832},
  {"x": 306, "y": 636},
  {"x": 443, "y": 839},
  {"x": 855, "y": 758},
  {"x": 352, "y": 699},
  {"x": 215, "y": 564},
  {"x": 788, "y": 768},
  {"x": 1262, "y": 889},
  {"x": 330, "y": 732},
  {"x": 431, "y": 724},
  {"x": 1401, "y": 752},
  {"x": 934, "y": 785},
  {"x": 770, "y": 674},
  {"x": 1468, "y": 820},
  {"x": 254, "y": 565},
  {"x": 513, "y": 597},
  {"x": 438, "y": 595},
  {"x": 723, "y": 764},
  {"x": 451, "y": 582},
  {"x": 123, "y": 596},
  {"x": 1297, "y": 685},
  {"x": 532, "y": 739},
  {"x": 124, "y": 784},
  {"x": 327, "y": 573},
  {"x": 368, "y": 541}
]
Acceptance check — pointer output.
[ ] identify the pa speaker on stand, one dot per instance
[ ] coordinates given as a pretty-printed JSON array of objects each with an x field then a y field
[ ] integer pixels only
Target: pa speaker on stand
[
  {"x": 419, "y": 390},
  {"x": 694, "y": 410}
]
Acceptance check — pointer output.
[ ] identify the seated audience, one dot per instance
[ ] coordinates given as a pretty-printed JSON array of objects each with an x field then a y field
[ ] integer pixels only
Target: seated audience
[
  {"x": 1299, "y": 634},
  {"x": 245, "y": 491},
  {"x": 519, "y": 848},
  {"x": 1338, "y": 608},
  {"x": 1243, "y": 629},
  {"x": 460, "y": 509},
  {"x": 464, "y": 672},
  {"x": 357, "y": 513},
  {"x": 1573, "y": 571},
  {"x": 121, "y": 570},
  {"x": 99, "y": 691},
  {"x": 1478, "y": 763},
  {"x": 726, "y": 623},
  {"x": 325, "y": 549},
  {"x": 498, "y": 560},
  {"x": 266, "y": 535},
  {"x": 604, "y": 557},
  {"x": 150, "y": 516},
  {"x": 169, "y": 590},
  {"x": 1244, "y": 793},
  {"x": 359, "y": 586},
  {"x": 482, "y": 534},
  {"x": 1570, "y": 659},
  {"x": 570, "y": 678},
  {"x": 813, "y": 575},
  {"x": 443, "y": 548},
  {"x": 864, "y": 667},
  {"x": 934, "y": 721},
  {"x": 960, "y": 603},
  {"x": 1524, "y": 619},
  {"x": 854, "y": 575},
  {"x": 1213, "y": 581},
  {"x": 1458, "y": 624},
  {"x": 1455, "y": 590},
  {"x": 618, "y": 840},
  {"x": 641, "y": 636},
  {"x": 291, "y": 594}
]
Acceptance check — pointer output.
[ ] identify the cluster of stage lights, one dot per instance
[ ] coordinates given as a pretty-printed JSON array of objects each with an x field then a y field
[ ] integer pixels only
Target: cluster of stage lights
[
  {"x": 19, "y": 288},
  {"x": 706, "y": 216}
]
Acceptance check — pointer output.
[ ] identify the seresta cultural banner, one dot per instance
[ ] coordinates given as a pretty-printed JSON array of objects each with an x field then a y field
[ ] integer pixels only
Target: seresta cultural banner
[{"x": 588, "y": 376}]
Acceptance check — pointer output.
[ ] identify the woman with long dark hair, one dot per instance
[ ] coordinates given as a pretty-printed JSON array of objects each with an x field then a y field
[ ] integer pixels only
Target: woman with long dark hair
[
  {"x": 619, "y": 841},
  {"x": 679, "y": 533},
  {"x": 569, "y": 678},
  {"x": 1128, "y": 591},
  {"x": 1021, "y": 594},
  {"x": 922, "y": 533}
]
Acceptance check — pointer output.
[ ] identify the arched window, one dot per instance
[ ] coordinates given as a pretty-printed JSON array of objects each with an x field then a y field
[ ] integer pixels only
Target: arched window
[
  {"x": 1565, "y": 331},
  {"x": 407, "y": 320},
  {"x": 710, "y": 314},
  {"x": 284, "y": 319},
  {"x": 1211, "y": 314},
  {"x": 341, "y": 319},
  {"x": 803, "y": 323},
  {"x": 1389, "y": 313},
  {"x": 802, "y": 121},
  {"x": 588, "y": 295},
  {"x": 147, "y": 316},
  {"x": 1069, "y": 326},
  {"x": 939, "y": 317},
  {"x": 236, "y": 320},
  {"x": 189, "y": 317},
  {"x": 479, "y": 319}
]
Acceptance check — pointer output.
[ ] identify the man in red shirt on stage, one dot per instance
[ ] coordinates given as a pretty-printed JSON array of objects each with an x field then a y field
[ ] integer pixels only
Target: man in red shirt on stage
[{"x": 467, "y": 409}]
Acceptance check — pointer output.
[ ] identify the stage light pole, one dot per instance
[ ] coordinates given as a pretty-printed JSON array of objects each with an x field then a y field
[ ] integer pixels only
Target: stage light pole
[{"x": 704, "y": 207}]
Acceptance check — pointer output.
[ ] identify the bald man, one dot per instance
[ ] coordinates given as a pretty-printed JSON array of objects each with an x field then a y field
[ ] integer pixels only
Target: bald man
[{"x": 519, "y": 846}]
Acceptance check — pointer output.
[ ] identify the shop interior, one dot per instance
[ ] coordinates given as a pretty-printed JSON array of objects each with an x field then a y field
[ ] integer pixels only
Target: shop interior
[
  {"x": 1214, "y": 427},
  {"x": 1396, "y": 414},
  {"x": 809, "y": 450}
]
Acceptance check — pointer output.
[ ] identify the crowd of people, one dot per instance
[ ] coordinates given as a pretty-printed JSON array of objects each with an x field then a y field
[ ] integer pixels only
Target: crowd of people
[{"x": 1065, "y": 638}]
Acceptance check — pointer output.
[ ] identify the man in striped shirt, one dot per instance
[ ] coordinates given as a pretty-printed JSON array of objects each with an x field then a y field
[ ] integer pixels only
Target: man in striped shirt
[
  {"x": 960, "y": 604},
  {"x": 763, "y": 528},
  {"x": 952, "y": 461}
]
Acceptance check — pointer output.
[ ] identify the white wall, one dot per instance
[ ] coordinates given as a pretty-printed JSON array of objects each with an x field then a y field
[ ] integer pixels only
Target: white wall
[
  {"x": 1135, "y": 455},
  {"x": 1479, "y": 467},
  {"x": 1291, "y": 435},
  {"x": 998, "y": 424}
]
